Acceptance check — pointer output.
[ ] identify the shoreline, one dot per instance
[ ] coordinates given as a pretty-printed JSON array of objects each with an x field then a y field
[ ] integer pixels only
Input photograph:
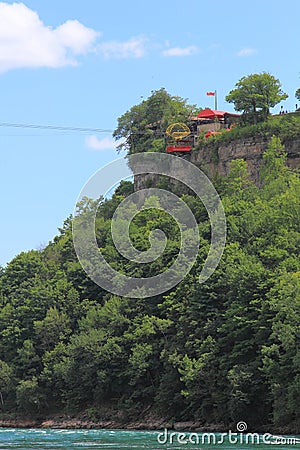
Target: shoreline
[{"x": 154, "y": 424}]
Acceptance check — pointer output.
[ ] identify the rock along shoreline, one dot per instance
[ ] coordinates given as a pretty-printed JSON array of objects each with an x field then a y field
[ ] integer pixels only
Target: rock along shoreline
[{"x": 155, "y": 424}]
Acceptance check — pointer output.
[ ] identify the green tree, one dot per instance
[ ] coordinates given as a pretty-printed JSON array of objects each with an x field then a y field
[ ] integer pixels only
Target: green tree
[
  {"x": 30, "y": 398},
  {"x": 281, "y": 354},
  {"x": 238, "y": 177},
  {"x": 142, "y": 128},
  {"x": 274, "y": 159},
  {"x": 6, "y": 383},
  {"x": 255, "y": 94},
  {"x": 53, "y": 328},
  {"x": 125, "y": 188}
]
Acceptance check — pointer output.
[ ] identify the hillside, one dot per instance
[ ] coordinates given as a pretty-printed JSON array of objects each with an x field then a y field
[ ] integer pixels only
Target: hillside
[{"x": 219, "y": 352}]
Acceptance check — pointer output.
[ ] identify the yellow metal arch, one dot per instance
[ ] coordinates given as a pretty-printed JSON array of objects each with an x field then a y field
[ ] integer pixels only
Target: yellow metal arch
[{"x": 178, "y": 130}]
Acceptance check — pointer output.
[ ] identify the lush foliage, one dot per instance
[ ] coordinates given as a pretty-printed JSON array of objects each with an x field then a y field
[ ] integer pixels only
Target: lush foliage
[
  {"x": 222, "y": 351},
  {"x": 255, "y": 94},
  {"x": 142, "y": 128}
]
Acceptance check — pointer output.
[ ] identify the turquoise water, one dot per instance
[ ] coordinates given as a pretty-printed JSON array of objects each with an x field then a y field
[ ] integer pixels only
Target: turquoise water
[{"x": 44, "y": 439}]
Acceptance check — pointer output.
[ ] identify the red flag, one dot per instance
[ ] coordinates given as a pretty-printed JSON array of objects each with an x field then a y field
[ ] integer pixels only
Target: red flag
[{"x": 210, "y": 93}]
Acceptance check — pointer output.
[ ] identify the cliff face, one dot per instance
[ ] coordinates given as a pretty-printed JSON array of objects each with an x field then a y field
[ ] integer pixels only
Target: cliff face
[{"x": 216, "y": 160}]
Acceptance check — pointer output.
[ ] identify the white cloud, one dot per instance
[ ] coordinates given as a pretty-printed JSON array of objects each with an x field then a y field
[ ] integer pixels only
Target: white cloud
[
  {"x": 181, "y": 51},
  {"x": 247, "y": 51},
  {"x": 132, "y": 48},
  {"x": 77, "y": 37},
  {"x": 26, "y": 42},
  {"x": 93, "y": 143}
]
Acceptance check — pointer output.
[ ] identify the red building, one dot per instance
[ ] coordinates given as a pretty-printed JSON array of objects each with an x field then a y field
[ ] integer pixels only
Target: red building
[{"x": 214, "y": 120}]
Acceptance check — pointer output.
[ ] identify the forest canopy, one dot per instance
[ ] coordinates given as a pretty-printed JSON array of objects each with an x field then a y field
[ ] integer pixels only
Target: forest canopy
[{"x": 218, "y": 352}]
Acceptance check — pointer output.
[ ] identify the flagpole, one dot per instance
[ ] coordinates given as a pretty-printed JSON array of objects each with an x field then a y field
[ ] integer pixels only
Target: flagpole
[{"x": 216, "y": 101}]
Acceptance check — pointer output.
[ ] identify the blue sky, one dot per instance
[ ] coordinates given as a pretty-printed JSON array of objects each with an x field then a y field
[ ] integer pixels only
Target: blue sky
[{"x": 83, "y": 64}]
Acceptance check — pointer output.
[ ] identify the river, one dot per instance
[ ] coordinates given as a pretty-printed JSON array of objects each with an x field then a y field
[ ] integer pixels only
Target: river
[{"x": 44, "y": 439}]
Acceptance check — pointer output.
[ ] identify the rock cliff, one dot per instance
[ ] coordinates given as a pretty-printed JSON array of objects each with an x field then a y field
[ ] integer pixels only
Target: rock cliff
[{"x": 215, "y": 159}]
